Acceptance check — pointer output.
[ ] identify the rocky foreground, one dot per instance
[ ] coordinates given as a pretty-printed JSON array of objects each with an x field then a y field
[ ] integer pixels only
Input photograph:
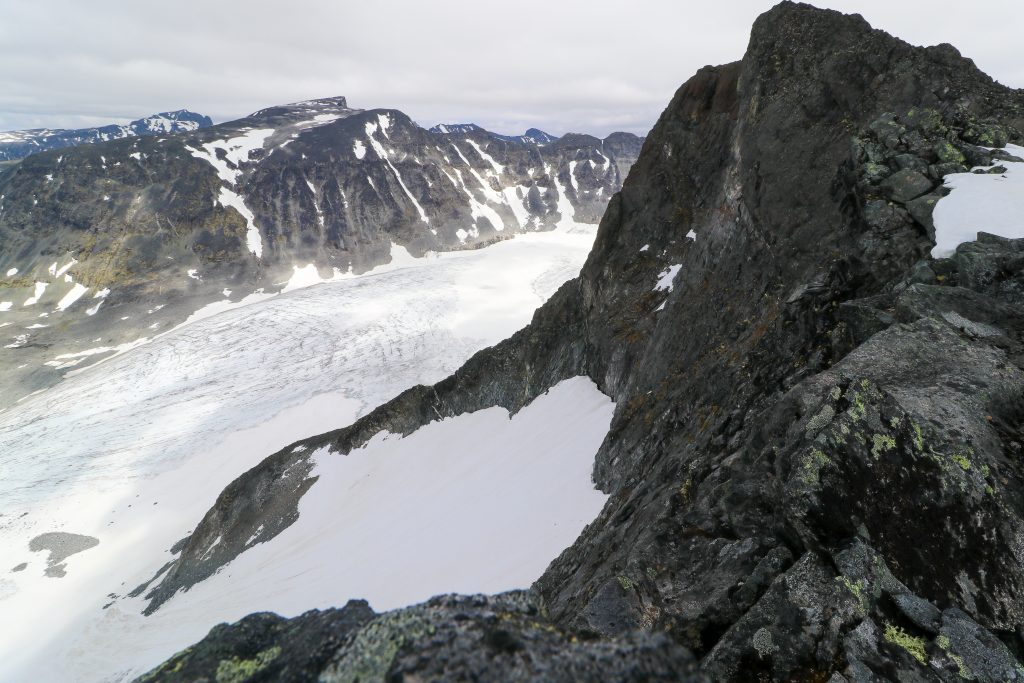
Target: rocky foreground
[{"x": 815, "y": 463}]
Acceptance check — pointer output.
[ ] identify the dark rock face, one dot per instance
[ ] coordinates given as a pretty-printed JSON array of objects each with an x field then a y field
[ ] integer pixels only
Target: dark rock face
[
  {"x": 814, "y": 467},
  {"x": 21, "y": 143},
  {"x": 500, "y": 638},
  {"x": 266, "y": 647}
]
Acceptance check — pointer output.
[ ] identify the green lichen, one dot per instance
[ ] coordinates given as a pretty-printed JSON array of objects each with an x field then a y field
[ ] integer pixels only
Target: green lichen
[
  {"x": 918, "y": 437},
  {"x": 857, "y": 589},
  {"x": 835, "y": 393},
  {"x": 962, "y": 460},
  {"x": 369, "y": 655},
  {"x": 943, "y": 642},
  {"x": 810, "y": 472},
  {"x": 881, "y": 443},
  {"x": 914, "y": 646},
  {"x": 171, "y": 666},
  {"x": 236, "y": 670},
  {"x": 947, "y": 153},
  {"x": 625, "y": 582},
  {"x": 895, "y": 422},
  {"x": 858, "y": 409},
  {"x": 822, "y": 419},
  {"x": 652, "y": 573}
]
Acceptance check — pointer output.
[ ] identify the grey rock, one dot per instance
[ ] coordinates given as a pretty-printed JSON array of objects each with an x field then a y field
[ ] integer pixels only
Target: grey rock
[
  {"x": 1003, "y": 155},
  {"x": 910, "y": 162},
  {"x": 939, "y": 171},
  {"x": 921, "y": 210},
  {"x": 60, "y": 545},
  {"x": 986, "y": 134},
  {"x": 976, "y": 156},
  {"x": 924, "y": 614},
  {"x": 905, "y": 185}
]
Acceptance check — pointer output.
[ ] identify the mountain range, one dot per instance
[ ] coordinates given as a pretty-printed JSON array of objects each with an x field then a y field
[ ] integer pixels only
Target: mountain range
[
  {"x": 17, "y": 144},
  {"x": 123, "y": 239}
]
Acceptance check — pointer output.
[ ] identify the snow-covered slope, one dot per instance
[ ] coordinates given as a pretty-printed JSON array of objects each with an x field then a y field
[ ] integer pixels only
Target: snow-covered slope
[{"x": 101, "y": 475}]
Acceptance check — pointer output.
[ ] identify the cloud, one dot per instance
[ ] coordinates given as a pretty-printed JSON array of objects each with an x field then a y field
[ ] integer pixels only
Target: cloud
[{"x": 559, "y": 65}]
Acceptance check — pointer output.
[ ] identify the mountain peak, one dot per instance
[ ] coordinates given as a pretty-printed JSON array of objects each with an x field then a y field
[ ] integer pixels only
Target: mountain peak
[
  {"x": 451, "y": 128},
  {"x": 533, "y": 136}
]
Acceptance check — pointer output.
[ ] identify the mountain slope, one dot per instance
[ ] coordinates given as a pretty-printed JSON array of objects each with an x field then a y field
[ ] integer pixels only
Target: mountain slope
[
  {"x": 17, "y": 144},
  {"x": 813, "y": 465},
  {"x": 120, "y": 241}
]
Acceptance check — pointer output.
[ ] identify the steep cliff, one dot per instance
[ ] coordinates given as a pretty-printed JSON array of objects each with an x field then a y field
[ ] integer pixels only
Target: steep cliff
[{"x": 814, "y": 464}]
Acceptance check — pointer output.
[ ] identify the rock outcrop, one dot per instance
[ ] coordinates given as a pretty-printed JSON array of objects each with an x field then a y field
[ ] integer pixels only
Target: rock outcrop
[{"x": 814, "y": 467}]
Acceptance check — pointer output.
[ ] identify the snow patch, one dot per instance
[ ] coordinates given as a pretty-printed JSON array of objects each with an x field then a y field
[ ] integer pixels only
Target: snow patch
[
  {"x": 236, "y": 152},
  {"x": 38, "y": 294},
  {"x": 498, "y": 168},
  {"x": 253, "y": 240},
  {"x": 993, "y": 203},
  {"x": 666, "y": 277},
  {"x": 71, "y": 297},
  {"x": 101, "y": 295}
]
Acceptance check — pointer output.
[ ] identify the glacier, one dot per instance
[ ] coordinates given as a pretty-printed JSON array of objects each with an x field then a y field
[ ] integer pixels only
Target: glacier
[{"x": 130, "y": 453}]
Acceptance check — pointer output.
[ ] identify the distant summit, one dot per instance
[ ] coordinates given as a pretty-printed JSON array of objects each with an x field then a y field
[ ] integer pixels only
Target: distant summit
[
  {"x": 532, "y": 136},
  {"x": 21, "y": 143}
]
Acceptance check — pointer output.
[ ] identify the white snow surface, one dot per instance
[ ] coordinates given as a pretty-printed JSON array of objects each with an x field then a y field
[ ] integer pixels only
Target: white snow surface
[
  {"x": 135, "y": 450},
  {"x": 236, "y": 150},
  {"x": 980, "y": 202},
  {"x": 666, "y": 277},
  {"x": 72, "y": 296},
  {"x": 478, "y": 503},
  {"x": 253, "y": 239},
  {"x": 498, "y": 168},
  {"x": 37, "y": 294}
]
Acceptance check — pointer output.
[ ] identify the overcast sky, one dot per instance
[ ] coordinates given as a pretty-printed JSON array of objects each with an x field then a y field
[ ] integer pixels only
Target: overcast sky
[{"x": 561, "y": 65}]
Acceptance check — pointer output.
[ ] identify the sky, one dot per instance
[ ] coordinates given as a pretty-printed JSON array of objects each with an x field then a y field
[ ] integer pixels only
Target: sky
[{"x": 560, "y": 65}]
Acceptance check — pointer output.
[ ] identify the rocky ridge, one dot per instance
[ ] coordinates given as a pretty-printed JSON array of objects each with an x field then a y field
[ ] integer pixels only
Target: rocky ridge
[
  {"x": 814, "y": 466},
  {"x": 111, "y": 243}
]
